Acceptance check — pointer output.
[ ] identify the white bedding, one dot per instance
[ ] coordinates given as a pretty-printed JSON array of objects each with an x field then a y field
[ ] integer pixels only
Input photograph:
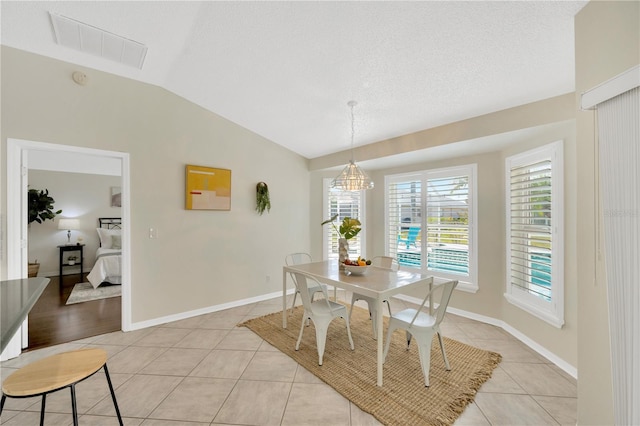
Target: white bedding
[{"x": 108, "y": 267}]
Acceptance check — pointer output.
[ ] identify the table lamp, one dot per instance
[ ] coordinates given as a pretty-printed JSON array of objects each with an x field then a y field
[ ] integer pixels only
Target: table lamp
[{"x": 69, "y": 224}]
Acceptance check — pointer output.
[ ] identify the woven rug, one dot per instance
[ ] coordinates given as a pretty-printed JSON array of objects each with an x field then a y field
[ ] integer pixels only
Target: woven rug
[
  {"x": 84, "y": 292},
  {"x": 403, "y": 399}
]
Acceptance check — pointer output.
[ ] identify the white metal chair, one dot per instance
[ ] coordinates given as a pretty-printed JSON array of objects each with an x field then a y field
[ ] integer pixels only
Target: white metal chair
[
  {"x": 321, "y": 312},
  {"x": 385, "y": 262},
  {"x": 423, "y": 326},
  {"x": 296, "y": 259}
]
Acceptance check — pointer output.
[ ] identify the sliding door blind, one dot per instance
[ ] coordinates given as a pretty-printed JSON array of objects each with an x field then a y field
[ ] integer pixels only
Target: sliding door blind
[{"x": 531, "y": 228}]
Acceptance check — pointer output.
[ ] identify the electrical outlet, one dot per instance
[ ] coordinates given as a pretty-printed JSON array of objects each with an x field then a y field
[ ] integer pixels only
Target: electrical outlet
[
  {"x": 268, "y": 278},
  {"x": 153, "y": 233}
]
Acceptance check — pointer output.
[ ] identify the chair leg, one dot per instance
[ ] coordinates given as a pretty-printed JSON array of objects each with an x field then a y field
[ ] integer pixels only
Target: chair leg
[
  {"x": 444, "y": 354},
  {"x": 74, "y": 406},
  {"x": 321, "y": 339},
  {"x": 44, "y": 403},
  {"x": 392, "y": 327},
  {"x": 349, "y": 333},
  {"x": 113, "y": 394},
  {"x": 4, "y": 398},
  {"x": 424, "y": 351},
  {"x": 293, "y": 305},
  {"x": 408, "y": 335},
  {"x": 304, "y": 319}
]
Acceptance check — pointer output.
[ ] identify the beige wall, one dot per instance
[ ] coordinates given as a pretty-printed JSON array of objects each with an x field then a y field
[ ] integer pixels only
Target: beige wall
[
  {"x": 538, "y": 129},
  {"x": 607, "y": 36},
  {"x": 201, "y": 258}
]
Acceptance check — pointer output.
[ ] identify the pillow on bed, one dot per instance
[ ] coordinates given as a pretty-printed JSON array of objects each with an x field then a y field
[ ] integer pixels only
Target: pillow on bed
[
  {"x": 116, "y": 241},
  {"x": 106, "y": 237}
]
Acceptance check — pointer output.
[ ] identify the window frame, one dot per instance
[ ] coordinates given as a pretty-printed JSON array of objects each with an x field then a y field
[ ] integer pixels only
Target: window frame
[
  {"x": 551, "y": 311},
  {"x": 469, "y": 282}
]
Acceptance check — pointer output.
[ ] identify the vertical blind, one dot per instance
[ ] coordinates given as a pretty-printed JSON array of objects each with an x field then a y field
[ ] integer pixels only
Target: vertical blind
[
  {"x": 619, "y": 140},
  {"x": 530, "y": 226}
]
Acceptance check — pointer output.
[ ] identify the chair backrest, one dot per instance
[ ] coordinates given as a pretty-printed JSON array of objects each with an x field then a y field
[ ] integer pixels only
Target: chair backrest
[
  {"x": 447, "y": 290},
  {"x": 386, "y": 262},
  {"x": 302, "y": 284},
  {"x": 297, "y": 258},
  {"x": 413, "y": 234}
]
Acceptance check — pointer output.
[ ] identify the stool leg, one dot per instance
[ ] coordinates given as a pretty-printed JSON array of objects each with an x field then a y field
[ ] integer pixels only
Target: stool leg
[
  {"x": 4, "y": 398},
  {"x": 44, "y": 402},
  {"x": 74, "y": 407},
  {"x": 113, "y": 394}
]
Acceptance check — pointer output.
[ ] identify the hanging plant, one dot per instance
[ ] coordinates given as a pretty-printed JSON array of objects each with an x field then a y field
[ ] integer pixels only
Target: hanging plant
[{"x": 262, "y": 198}]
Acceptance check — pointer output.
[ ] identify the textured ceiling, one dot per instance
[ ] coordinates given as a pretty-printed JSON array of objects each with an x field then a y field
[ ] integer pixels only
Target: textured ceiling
[{"x": 286, "y": 70}]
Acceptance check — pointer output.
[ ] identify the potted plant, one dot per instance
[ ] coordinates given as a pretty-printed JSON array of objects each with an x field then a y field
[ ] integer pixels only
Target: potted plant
[
  {"x": 40, "y": 209},
  {"x": 72, "y": 260},
  {"x": 349, "y": 228}
]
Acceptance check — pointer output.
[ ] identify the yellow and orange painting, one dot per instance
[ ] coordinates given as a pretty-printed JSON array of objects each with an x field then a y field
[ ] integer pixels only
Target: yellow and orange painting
[{"x": 208, "y": 188}]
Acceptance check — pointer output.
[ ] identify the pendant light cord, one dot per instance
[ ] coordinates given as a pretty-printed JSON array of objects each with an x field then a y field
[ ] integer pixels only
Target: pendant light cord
[{"x": 353, "y": 131}]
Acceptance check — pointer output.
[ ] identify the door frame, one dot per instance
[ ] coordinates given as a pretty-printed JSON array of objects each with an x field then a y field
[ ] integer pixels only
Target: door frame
[{"x": 17, "y": 173}]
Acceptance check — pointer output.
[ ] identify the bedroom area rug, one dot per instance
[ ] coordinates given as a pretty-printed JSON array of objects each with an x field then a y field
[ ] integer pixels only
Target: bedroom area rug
[
  {"x": 403, "y": 399},
  {"x": 84, "y": 292}
]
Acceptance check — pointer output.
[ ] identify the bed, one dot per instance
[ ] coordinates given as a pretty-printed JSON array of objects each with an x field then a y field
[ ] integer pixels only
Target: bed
[{"x": 108, "y": 266}]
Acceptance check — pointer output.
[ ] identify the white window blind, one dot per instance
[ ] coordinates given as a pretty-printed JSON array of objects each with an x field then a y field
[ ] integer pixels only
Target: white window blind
[
  {"x": 448, "y": 224},
  {"x": 535, "y": 236},
  {"x": 531, "y": 238},
  {"x": 429, "y": 223},
  {"x": 344, "y": 204}
]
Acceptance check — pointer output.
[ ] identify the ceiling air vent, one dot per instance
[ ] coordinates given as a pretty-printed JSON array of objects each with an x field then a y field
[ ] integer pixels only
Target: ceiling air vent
[{"x": 86, "y": 38}]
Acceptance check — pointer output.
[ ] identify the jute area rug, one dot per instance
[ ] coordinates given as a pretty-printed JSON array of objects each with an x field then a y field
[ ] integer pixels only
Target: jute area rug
[
  {"x": 84, "y": 292},
  {"x": 403, "y": 399}
]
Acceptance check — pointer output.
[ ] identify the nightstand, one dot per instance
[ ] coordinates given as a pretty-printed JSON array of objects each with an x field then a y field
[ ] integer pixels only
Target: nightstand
[{"x": 71, "y": 248}]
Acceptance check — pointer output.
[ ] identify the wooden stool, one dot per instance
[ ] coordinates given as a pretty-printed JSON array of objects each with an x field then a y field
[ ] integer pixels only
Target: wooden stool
[{"x": 54, "y": 373}]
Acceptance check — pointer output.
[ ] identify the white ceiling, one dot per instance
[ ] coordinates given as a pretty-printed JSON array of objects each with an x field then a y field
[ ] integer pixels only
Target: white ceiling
[{"x": 286, "y": 70}]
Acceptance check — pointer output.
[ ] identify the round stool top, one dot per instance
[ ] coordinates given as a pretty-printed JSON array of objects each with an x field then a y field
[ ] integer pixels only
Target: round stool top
[{"x": 54, "y": 372}]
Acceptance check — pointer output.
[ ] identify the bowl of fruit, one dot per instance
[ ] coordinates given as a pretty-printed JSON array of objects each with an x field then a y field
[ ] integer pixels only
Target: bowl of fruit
[{"x": 357, "y": 267}]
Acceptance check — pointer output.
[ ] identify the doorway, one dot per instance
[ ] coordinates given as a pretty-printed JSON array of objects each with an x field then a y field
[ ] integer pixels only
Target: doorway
[{"x": 58, "y": 158}]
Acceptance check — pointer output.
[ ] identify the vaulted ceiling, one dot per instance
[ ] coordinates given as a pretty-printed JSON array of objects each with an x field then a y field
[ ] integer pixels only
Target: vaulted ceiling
[{"x": 286, "y": 70}]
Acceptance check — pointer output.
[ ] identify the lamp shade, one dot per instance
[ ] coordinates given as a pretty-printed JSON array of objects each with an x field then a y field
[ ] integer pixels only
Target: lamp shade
[
  {"x": 352, "y": 178},
  {"x": 68, "y": 224}
]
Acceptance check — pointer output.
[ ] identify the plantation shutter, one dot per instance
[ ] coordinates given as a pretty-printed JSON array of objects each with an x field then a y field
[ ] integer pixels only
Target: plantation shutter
[
  {"x": 530, "y": 226},
  {"x": 448, "y": 224},
  {"x": 404, "y": 204},
  {"x": 344, "y": 204}
]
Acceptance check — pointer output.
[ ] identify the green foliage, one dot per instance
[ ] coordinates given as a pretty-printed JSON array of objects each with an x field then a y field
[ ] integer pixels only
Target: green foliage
[
  {"x": 41, "y": 206},
  {"x": 349, "y": 227},
  {"x": 262, "y": 198}
]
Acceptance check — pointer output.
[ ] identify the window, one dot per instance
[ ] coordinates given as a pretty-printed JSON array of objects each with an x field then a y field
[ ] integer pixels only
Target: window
[
  {"x": 344, "y": 204},
  {"x": 430, "y": 222},
  {"x": 534, "y": 200}
]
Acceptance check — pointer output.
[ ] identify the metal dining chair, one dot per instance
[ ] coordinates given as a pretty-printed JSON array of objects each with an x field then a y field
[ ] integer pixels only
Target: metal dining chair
[
  {"x": 385, "y": 262},
  {"x": 423, "y": 326},
  {"x": 321, "y": 312},
  {"x": 296, "y": 259}
]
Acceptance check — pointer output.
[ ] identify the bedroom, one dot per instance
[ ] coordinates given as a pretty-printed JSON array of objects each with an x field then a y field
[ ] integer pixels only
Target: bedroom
[{"x": 85, "y": 197}]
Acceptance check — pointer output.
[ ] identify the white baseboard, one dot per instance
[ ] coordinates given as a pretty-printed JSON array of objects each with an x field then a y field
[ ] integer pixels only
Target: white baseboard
[{"x": 562, "y": 364}]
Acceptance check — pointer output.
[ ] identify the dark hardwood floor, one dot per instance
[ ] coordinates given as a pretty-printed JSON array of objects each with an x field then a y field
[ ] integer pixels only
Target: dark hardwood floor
[{"x": 51, "y": 322}]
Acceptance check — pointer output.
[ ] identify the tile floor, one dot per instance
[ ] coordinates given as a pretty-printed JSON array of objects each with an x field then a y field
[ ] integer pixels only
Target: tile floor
[{"x": 204, "y": 370}]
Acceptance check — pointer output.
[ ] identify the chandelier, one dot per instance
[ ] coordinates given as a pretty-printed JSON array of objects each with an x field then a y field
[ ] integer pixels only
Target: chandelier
[{"x": 352, "y": 178}]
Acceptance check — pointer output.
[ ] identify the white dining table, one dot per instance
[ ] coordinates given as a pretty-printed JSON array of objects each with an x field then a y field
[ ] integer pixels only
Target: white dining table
[{"x": 378, "y": 283}]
